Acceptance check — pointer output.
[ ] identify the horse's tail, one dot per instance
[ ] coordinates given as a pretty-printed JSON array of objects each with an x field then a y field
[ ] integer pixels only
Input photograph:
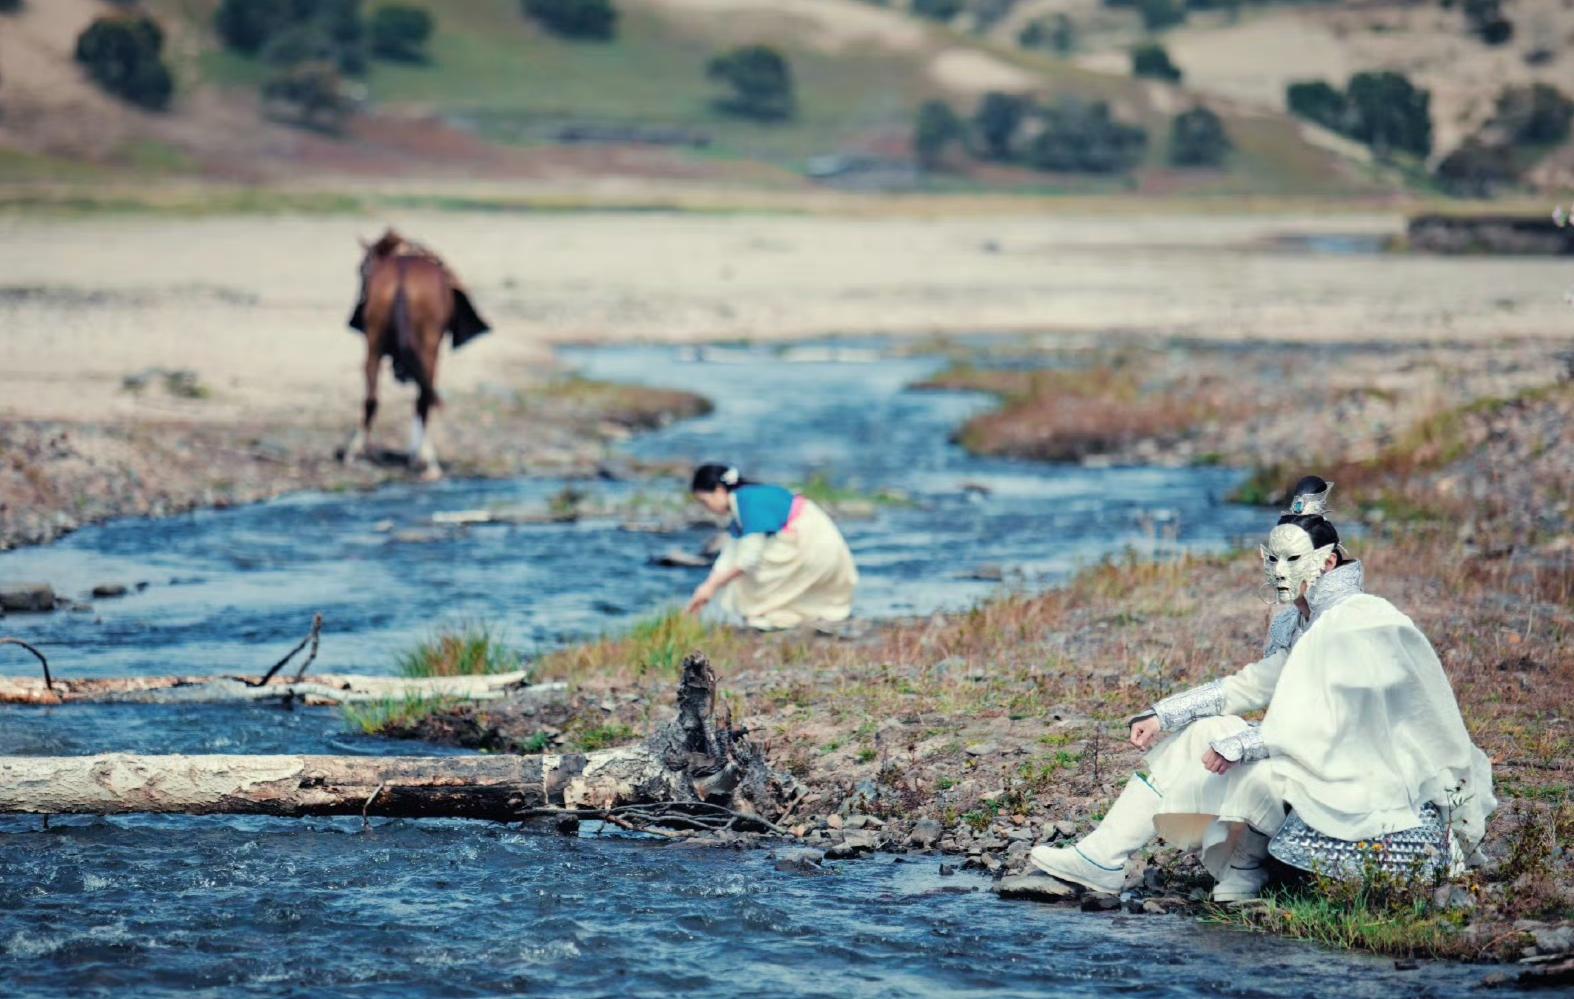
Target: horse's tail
[{"x": 407, "y": 361}]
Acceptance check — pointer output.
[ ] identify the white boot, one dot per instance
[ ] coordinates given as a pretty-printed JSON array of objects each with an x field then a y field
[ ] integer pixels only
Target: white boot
[
  {"x": 1247, "y": 873},
  {"x": 1098, "y": 861}
]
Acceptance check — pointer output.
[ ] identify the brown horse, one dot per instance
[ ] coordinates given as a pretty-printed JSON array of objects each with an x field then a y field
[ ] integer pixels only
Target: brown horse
[{"x": 409, "y": 298}]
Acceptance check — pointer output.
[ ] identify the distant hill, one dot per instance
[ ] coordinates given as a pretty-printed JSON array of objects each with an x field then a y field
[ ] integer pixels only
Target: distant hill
[{"x": 502, "y": 99}]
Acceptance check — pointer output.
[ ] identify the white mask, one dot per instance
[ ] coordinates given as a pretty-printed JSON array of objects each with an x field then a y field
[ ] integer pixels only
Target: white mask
[{"x": 1292, "y": 562}]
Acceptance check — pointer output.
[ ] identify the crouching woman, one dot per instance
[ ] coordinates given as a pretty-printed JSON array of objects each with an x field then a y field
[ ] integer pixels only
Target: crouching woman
[
  {"x": 1361, "y": 761},
  {"x": 784, "y": 562}
]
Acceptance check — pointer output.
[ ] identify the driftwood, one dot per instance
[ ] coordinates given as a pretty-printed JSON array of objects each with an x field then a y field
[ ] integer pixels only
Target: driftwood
[
  {"x": 324, "y": 689},
  {"x": 689, "y": 774}
]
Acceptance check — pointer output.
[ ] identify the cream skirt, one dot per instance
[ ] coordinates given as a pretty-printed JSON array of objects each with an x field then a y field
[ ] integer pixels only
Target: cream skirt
[{"x": 806, "y": 574}]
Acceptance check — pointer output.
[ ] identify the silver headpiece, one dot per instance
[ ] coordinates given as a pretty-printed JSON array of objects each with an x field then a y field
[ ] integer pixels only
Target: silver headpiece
[
  {"x": 1309, "y": 504},
  {"x": 730, "y": 477}
]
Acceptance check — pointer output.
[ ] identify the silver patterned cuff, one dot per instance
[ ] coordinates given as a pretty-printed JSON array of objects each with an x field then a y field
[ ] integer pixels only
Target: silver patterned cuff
[
  {"x": 1179, "y": 710},
  {"x": 1242, "y": 747}
]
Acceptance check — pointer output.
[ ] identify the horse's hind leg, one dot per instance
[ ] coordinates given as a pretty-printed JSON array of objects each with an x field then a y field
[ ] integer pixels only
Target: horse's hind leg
[
  {"x": 423, "y": 455},
  {"x": 357, "y": 446}
]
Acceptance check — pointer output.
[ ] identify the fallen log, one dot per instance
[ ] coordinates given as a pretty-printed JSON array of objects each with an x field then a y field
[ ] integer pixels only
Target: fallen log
[
  {"x": 324, "y": 689},
  {"x": 690, "y": 773}
]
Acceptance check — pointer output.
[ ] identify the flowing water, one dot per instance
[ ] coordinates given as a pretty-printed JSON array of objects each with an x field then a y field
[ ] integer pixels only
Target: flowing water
[{"x": 252, "y": 906}]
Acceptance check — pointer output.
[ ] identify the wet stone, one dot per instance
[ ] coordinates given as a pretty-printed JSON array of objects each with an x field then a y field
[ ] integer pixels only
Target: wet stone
[
  {"x": 27, "y": 597},
  {"x": 106, "y": 591},
  {"x": 926, "y": 833},
  {"x": 1037, "y": 886},
  {"x": 800, "y": 860},
  {"x": 1099, "y": 901}
]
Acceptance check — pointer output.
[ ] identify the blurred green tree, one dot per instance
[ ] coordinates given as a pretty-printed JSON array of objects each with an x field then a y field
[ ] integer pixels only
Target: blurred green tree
[
  {"x": 1157, "y": 15},
  {"x": 1198, "y": 139},
  {"x": 399, "y": 32},
  {"x": 1391, "y": 113},
  {"x": 1321, "y": 102},
  {"x": 996, "y": 121},
  {"x": 1079, "y": 137},
  {"x": 1534, "y": 114},
  {"x": 1152, "y": 60},
  {"x": 123, "y": 55},
  {"x": 937, "y": 10},
  {"x": 760, "y": 81}
]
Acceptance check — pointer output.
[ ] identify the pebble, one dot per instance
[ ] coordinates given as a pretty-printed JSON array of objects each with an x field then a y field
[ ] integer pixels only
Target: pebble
[
  {"x": 854, "y": 844},
  {"x": 1099, "y": 901},
  {"x": 800, "y": 861},
  {"x": 105, "y": 591}
]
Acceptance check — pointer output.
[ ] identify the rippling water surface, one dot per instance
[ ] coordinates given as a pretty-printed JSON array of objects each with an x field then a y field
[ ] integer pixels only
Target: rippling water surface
[{"x": 253, "y": 906}]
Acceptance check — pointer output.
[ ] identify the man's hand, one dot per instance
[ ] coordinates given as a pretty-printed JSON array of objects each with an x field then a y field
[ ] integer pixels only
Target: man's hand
[
  {"x": 1146, "y": 732},
  {"x": 1214, "y": 763}
]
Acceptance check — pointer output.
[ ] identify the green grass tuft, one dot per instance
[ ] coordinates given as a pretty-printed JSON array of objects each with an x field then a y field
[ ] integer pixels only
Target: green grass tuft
[
  {"x": 474, "y": 649},
  {"x": 393, "y": 716}
]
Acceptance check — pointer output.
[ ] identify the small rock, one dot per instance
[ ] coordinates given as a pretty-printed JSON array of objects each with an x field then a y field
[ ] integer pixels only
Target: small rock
[
  {"x": 946, "y": 870},
  {"x": 854, "y": 844},
  {"x": 1554, "y": 939},
  {"x": 982, "y": 749},
  {"x": 834, "y": 821},
  {"x": 800, "y": 861},
  {"x": 106, "y": 591},
  {"x": 1099, "y": 901},
  {"x": 1453, "y": 897},
  {"x": 926, "y": 833},
  {"x": 1065, "y": 829},
  {"x": 1016, "y": 834},
  {"x": 1153, "y": 907},
  {"x": 1035, "y": 885},
  {"x": 27, "y": 597},
  {"x": 1405, "y": 965}
]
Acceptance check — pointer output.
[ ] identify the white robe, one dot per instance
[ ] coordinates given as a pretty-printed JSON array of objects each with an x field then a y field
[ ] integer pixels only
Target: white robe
[
  {"x": 804, "y": 573},
  {"x": 1361, "y": 730}
]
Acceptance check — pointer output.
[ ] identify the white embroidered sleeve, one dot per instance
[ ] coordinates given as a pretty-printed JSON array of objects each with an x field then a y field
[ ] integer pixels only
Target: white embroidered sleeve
[{"x": 750, "y": 549}]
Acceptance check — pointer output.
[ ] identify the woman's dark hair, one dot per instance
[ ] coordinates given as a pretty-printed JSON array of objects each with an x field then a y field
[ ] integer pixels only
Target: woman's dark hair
[{"x": 708, "y": 477}]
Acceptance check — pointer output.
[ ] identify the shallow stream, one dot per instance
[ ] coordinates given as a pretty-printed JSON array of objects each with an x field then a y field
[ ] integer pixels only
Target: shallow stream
[{"x": 250, "y": 906}]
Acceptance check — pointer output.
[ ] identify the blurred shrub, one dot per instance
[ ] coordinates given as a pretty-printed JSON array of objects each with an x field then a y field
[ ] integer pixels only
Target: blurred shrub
[
  {"x": 1158, "y": 15},
  {"x": 937, "y": 131},
  {"x": 1477, "y": 168},
  {"x": 1058, "y": 34},
  {"x": 400, "y": 32},
  {"x": 311, "y": 94},
  {"x": 1085, "y": 138},
  {"x": 590, "y": 19},
  {"x": 123, "y": 55},
  {"x": 760, "y": 81},
  {"x": 1153, "y": 61},
  {"x": 1485, "y": 20},
  {"x": 937, "y": 10},
  {"x": 1198, "y": 139},
  {"x": 1535, "y": 114},
  {"x": 10, "y": 6},
  {"x": 996, "y": 121}
]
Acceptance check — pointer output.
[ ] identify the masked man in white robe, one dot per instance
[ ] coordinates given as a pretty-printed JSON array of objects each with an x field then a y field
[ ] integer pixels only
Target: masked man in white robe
[{"x": 1361, "y": 760}]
